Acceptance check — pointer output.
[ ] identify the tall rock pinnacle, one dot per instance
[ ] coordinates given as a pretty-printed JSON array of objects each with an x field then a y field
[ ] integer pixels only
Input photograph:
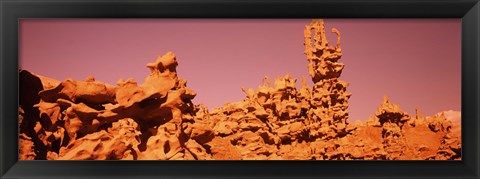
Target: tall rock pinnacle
[{"x": 330, "y": 99}]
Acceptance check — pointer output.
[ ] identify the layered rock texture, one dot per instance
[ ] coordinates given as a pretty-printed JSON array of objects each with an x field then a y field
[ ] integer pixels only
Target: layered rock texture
[{"x": 156, "y": 120}]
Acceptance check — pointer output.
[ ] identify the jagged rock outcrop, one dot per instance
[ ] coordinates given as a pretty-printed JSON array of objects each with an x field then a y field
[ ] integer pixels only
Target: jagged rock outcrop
[
  {"x": 156, "y": 120},
  {"x": 281, "y": 122},
  {"x": 404, "y": 137},
  {"x": 80, "y": 120}
]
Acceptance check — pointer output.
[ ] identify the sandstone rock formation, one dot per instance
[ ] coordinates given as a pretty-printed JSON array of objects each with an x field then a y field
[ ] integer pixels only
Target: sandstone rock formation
[
  {"x": 79, "y": 120},
  {"x": 156, "y": 120}
]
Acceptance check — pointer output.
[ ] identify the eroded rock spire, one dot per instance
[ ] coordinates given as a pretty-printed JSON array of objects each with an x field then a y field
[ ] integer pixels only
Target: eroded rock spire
[{"x": 330, "y": 99}]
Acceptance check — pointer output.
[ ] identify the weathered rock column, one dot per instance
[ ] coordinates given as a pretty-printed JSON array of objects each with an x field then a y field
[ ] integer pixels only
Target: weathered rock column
[
  {"x": 329, "y": 97},
  {"x": 392, "y": 119}
]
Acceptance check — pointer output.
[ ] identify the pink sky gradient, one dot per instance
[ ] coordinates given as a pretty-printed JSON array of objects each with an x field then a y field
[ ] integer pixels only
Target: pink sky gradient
[{"x": 413, "y": 62}]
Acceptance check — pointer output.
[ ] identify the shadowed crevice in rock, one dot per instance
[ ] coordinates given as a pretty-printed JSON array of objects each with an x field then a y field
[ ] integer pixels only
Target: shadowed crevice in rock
[{"x": 29, "y": 86}]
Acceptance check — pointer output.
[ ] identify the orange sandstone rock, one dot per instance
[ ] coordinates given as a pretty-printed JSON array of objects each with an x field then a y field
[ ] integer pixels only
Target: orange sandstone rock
[{"x": 156, "y": 120}]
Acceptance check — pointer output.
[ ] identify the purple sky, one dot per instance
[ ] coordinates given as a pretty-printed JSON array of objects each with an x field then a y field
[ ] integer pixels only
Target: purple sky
[{"x": 413, "y": 62}]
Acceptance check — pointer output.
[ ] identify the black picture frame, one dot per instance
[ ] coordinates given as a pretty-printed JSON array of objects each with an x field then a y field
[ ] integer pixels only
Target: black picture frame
[{"x": 12, "y": 10}]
